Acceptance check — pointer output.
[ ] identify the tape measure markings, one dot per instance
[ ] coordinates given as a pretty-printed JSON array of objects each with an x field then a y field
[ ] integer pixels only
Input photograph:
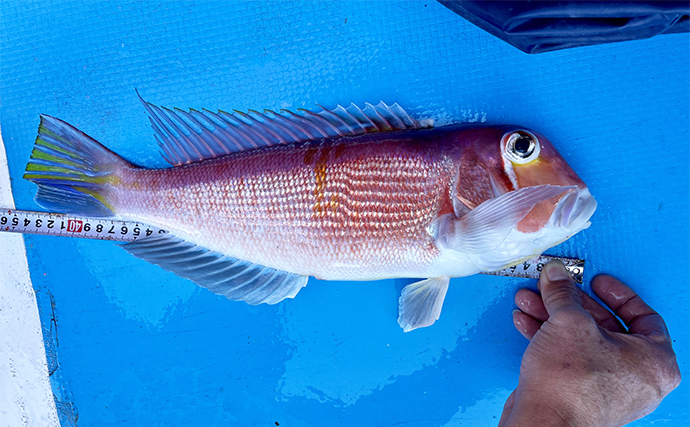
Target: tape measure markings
[
  {"x": 51, "y": 224},
  {"x": 531, "y": 269}
]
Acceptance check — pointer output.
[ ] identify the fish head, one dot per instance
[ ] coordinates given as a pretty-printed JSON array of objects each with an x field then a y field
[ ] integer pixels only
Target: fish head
[
  {"x": 509, "y": 159},
  {"x": 530, "y": 160}
]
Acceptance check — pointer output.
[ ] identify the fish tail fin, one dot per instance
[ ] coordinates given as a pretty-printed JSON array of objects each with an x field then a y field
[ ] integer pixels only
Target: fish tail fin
[{"x": 75, "y": 174}]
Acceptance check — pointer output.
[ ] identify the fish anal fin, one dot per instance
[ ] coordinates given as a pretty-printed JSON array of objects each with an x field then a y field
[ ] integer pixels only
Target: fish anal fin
[{"x": 233, "y": 278}]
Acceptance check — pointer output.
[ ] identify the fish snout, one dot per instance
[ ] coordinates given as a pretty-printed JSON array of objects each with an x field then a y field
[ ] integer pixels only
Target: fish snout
[{"x": 573, "y": 210}]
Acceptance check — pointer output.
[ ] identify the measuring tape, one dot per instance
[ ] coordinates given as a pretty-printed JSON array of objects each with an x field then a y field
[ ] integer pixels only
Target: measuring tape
[
  {"x": 52, "y": 224},
  {"x": 532, "y": 269}
]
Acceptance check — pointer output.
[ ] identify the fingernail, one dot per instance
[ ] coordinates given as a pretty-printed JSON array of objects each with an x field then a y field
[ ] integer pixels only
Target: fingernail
[{"x": 555, "y": 271}]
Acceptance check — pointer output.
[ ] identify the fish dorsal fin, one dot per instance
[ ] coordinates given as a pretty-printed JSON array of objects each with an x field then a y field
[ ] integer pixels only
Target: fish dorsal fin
[
  {"x": 187, "y": 137},
  {"x": 236, "y": 279}
]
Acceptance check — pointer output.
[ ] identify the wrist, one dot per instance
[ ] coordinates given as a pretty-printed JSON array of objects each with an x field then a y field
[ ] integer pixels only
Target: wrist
[{"x": 548, "y": 410}]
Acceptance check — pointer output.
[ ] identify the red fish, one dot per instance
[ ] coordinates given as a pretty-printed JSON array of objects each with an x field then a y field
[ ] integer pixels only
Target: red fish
[{"x": 256, "y": 203}]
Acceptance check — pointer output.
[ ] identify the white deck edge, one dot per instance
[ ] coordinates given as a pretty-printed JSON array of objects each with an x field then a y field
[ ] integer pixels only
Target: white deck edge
[{"x": 26, "y": 398}]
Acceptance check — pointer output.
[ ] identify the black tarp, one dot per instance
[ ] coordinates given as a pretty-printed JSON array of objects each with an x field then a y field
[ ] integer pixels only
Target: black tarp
[{"x": 543, "y": 26}]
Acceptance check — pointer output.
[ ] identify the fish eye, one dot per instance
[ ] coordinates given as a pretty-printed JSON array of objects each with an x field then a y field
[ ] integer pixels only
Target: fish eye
[{"x": 520, "y": 147}]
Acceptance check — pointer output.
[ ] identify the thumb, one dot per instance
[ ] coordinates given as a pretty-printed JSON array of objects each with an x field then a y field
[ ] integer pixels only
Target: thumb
[{"x": 558, "y": 291}]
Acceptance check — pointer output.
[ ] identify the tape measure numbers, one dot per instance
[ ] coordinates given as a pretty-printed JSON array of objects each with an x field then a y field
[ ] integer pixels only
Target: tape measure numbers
[
  {"x": 52, "y": 224},
  {"x": 532, "y": 269}
]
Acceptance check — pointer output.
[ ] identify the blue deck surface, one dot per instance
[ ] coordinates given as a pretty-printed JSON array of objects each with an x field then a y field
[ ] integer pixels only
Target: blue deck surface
[{"x": 133, "y": 345}]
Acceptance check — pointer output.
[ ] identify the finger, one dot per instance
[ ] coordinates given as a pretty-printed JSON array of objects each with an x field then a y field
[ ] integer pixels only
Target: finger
[
  {"x": 526, "y": 324},
  {"x": 558, "y": 291},
  {"x": 507, "y": 409},
  {"x": 530, "y": 303},
  {"x": 635, "y": 313},
  {"x": 601, "y": 315}
]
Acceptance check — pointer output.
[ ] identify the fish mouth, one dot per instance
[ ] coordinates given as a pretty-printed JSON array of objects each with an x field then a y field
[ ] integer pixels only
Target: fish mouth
[{"x": 573, "y": 211}]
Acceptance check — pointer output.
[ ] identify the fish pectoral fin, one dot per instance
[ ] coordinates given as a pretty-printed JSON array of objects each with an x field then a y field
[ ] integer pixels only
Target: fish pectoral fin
[
  {"x": 236, "y": 279},
  {"x": 420, "y": 303},
  {"x": 485, "y": 227}
]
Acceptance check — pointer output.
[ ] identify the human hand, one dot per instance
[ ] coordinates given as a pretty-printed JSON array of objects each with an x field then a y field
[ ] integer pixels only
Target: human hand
[{"x": 582, "y": 367}]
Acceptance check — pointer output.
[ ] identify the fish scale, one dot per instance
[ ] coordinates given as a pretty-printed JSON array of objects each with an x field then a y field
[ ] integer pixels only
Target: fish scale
[{"x": 364, "y": 207}]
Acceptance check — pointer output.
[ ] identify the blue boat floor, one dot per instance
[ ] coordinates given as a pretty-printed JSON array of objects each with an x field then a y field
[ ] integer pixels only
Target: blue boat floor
[{"x": 129, "y": 344}]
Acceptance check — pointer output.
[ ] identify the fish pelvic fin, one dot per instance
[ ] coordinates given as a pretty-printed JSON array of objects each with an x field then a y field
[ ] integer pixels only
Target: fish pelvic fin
[
  {"x": 75, "y": 174},
  {"x": 420, "y": 303}
]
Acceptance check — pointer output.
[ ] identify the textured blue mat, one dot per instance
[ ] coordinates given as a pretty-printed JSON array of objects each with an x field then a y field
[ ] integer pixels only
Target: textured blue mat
[{"x": 133, "y": 345}]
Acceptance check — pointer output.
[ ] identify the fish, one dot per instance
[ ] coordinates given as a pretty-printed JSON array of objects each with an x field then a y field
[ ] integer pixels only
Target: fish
[{"x": 255, "y": 203}]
